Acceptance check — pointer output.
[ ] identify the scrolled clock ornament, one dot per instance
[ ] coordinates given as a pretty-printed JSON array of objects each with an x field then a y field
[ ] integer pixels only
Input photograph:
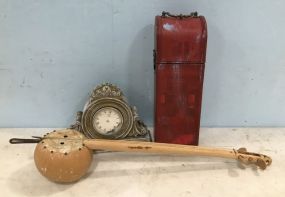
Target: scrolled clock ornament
[{"x": 107, "y": 115}]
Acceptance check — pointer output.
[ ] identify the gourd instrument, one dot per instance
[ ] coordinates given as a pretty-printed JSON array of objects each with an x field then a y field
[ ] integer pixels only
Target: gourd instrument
[{"x": 65, "y": 155}]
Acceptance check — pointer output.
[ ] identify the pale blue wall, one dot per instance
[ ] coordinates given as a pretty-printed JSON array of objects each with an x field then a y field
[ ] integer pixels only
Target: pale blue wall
[{"x": 52, "y": 53}]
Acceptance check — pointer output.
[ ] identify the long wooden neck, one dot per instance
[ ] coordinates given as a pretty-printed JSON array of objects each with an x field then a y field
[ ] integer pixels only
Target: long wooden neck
[{"x": 174, "y": 149}]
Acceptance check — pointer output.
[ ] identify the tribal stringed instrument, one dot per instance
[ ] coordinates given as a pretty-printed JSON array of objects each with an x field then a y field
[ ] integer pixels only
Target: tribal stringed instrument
[{"x": 65, "y": 155}]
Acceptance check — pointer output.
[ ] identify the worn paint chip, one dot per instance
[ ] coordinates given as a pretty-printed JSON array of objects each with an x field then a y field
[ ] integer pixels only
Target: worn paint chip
[{"x": 168, "y": 27}]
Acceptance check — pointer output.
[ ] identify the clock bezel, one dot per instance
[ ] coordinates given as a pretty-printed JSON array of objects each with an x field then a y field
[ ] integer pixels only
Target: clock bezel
[{"x": 88, "y": 116}]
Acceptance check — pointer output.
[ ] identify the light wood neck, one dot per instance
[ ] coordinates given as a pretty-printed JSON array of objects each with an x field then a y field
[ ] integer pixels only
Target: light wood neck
[{"x": 260, "y": 160}]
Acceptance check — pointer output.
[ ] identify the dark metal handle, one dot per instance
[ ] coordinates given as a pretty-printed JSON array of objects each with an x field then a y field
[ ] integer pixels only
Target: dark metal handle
[
  {"x": 24, "y": 141},
  {"x": 154, "y": 58},
  {"x": 192, "y": 14}
]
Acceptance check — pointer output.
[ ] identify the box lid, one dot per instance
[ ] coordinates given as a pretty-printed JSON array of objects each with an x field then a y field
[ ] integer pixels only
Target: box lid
[{"x": 180, "y": 39}]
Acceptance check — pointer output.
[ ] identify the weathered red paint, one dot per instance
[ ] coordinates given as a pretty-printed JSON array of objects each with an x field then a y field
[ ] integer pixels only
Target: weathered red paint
[{"x": 180, "y": 54}]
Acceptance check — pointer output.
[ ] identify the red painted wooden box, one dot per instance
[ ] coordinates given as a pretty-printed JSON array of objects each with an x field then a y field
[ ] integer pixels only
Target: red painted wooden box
[{"x": 179, "y": 55}]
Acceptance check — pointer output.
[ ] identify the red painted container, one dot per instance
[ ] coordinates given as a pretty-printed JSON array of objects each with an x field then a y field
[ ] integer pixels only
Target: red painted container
[{"x": 179, "y": 60}]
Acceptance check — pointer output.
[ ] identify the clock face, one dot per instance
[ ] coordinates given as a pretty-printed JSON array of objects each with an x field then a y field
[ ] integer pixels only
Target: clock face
[{"x": 107, "y": 120}]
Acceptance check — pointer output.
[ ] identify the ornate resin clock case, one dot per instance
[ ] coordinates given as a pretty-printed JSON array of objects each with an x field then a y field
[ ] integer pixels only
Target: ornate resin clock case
[{"x": 107, "y": 115}]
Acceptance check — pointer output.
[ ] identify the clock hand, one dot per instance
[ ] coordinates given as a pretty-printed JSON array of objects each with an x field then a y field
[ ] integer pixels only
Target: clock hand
[{"x": 111, "y": 131}]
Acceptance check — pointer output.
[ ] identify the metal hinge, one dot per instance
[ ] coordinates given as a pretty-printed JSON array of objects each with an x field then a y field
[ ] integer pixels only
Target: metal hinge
[
  {"x": 192, "y": 15},
  {"x": 154, "y": 58}
]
